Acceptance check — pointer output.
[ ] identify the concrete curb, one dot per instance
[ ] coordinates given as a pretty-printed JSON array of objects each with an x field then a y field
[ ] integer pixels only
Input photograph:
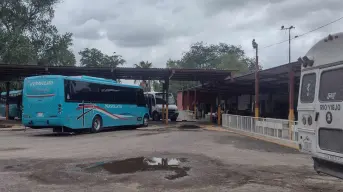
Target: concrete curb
[
  {"x": 284, "y": 143},
  {"x": 13, "y": 129},
  {"x": 155, "y": 128}
]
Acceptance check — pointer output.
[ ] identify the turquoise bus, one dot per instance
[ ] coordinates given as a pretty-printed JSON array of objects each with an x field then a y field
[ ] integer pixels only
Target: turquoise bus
[
  {"x": 75, "y": 103},
  {"x": 15, "y": 103}
]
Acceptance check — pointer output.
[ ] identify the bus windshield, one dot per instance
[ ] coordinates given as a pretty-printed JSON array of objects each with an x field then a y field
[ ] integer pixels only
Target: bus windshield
[
  {"x": 159, "y": 99},
  {"x": 308, "y": 88},
  {"x": 331, "y": 89}
]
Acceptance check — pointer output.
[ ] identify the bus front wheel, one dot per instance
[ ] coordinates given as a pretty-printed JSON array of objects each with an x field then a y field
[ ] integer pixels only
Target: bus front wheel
[{"x": 96, "y": 124}]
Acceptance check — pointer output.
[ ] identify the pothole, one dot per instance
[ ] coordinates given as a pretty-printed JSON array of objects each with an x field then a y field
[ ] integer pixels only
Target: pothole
[
  {"x": 143, "y": 164},
  {"x": 189, "y": 126}
]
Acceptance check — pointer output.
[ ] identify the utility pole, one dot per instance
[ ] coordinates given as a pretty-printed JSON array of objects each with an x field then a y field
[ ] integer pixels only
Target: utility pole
[
  {"x": 290, "y": 84},
  {"x": 289, "y": 40},
  {"x": 257, "y": 103}
]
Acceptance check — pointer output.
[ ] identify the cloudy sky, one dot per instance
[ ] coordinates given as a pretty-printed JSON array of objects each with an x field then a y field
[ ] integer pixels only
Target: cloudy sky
[{"x": 157, "y": 30}]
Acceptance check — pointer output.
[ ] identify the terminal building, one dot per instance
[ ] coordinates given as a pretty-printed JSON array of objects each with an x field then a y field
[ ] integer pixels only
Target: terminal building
[{"x": 278, "y": 88}]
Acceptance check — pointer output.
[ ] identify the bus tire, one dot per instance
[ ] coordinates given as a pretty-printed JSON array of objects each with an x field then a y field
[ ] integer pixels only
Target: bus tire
[
  {"x": 173, "y": 119},
  {"x": 11, "y": 118},
  {"x": 155, "y": 116},
  {"x": 145, "y": 121},
  {"x": 96, "y": 124}
]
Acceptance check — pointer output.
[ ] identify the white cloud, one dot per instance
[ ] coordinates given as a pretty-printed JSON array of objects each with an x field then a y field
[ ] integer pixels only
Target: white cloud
[{"x": 157, "y": 30}]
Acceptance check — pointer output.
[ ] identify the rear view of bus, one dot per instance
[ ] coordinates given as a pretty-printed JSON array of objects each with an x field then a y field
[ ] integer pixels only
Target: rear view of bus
[
  {"x": 320, "y": 109},
  {"x": 41, "y": 101},
  {"x": 15, "y": 103}
]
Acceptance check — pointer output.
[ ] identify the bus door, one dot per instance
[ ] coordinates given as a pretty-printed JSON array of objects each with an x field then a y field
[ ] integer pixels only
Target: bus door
[
  {"x": 79, "y": 92},
  {"x": 329, "y": 127}
]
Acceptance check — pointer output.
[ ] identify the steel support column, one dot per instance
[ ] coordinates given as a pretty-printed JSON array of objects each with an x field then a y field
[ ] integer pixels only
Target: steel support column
[
  {"x": 291, "y": 101},
  {"x": 167, "y": 100},
  {"x": 219, "y": 115},
  {"x": 195, "y": 103},
  {"x": 211, "y": 110},
  {"x": 188, "y": 100},
  {"x": 257, "y": 87},
  {"x": 163, "y": 98},
  {"x": 7, "y": 100}
]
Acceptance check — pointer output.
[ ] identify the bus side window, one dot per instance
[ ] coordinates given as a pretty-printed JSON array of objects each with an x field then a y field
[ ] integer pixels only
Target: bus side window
[{"x": 140, "y": 98}]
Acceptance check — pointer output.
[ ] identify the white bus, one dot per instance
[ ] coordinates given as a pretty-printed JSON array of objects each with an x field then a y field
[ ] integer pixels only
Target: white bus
[
  {"x": 320, "y": 110},
  {"x": 155, "y": 102}
]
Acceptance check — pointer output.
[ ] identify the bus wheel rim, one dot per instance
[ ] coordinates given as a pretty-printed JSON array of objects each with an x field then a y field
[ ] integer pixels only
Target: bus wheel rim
[{"x": 96, "y": 124}]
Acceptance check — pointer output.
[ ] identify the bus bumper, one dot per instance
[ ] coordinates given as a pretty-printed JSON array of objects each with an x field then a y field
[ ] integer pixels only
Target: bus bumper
[
  {"x": 42, "y": 122},
  {"x": 328, "y": 167}
]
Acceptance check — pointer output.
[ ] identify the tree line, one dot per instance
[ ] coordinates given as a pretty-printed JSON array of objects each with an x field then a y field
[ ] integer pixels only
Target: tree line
[{"x": 27, "y": 36}]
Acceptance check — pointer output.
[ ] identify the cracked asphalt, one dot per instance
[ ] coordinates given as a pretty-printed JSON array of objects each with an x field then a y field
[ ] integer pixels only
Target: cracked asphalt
[{"x": 38, "y": 160}]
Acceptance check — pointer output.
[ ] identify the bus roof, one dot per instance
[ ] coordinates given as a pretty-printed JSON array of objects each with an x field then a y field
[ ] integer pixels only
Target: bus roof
[
  {"x": 327, "y": 50},
  {"x": 86, "y": 79},
  {"x": 14, "y": 92}
]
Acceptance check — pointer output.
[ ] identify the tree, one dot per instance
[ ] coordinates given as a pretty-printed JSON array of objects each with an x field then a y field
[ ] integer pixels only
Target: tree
[
  {"x": 157, "y": 86},
  {"x": 27, "y": 35},
  {"x": 95, "y": 58},
  {"x": 202, "y": 56},
  {"x": 58, "y": 52},
  {"x": 211, "y": 56},
  {"x": 144, "y": 65}
]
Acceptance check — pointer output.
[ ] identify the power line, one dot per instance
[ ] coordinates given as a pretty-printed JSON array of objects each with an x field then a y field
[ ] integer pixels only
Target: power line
[{"x": 303, "y": 33}]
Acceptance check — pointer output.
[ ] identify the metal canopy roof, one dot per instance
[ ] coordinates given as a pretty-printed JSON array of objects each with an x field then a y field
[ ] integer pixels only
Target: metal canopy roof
[
  {"x": 275, "y": 78},
  {"x": 12, "y": 72}
]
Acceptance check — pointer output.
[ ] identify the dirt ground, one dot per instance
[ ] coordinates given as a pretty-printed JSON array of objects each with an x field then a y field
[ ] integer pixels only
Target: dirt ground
[{"x": 153, "y": 160}]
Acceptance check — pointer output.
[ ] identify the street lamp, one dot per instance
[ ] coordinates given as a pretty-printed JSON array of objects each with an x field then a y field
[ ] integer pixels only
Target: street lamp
[
  {"x": 255, "y": 46},
  {"x": 289, "y": 40},
  {"x": 291, "y": 82}
]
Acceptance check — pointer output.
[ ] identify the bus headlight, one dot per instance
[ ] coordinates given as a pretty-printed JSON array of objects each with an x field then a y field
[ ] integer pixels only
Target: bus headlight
[
  {"x": 304, "y": 120},
  {"x": 309, "y": 120}
]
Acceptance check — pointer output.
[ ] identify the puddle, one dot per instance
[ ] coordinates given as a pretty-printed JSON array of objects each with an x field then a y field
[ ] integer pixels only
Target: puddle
[
  {"x": 189, "y": 126},
  {"x": 142, "y": 164}
]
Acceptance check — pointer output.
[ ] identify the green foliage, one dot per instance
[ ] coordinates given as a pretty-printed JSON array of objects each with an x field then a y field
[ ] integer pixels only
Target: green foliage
[
  {"x": 157, "y": 86},
  {"x": 15, "y": 48},
  {"x": 95, "y": 58},
  {"x": 58, "y": 52},
  {"x": 28, "y": 37},
  {"x": 145, "y": 65},
  {"x": 221, "y": 56},
  {"x": 202, "y": 56}
]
